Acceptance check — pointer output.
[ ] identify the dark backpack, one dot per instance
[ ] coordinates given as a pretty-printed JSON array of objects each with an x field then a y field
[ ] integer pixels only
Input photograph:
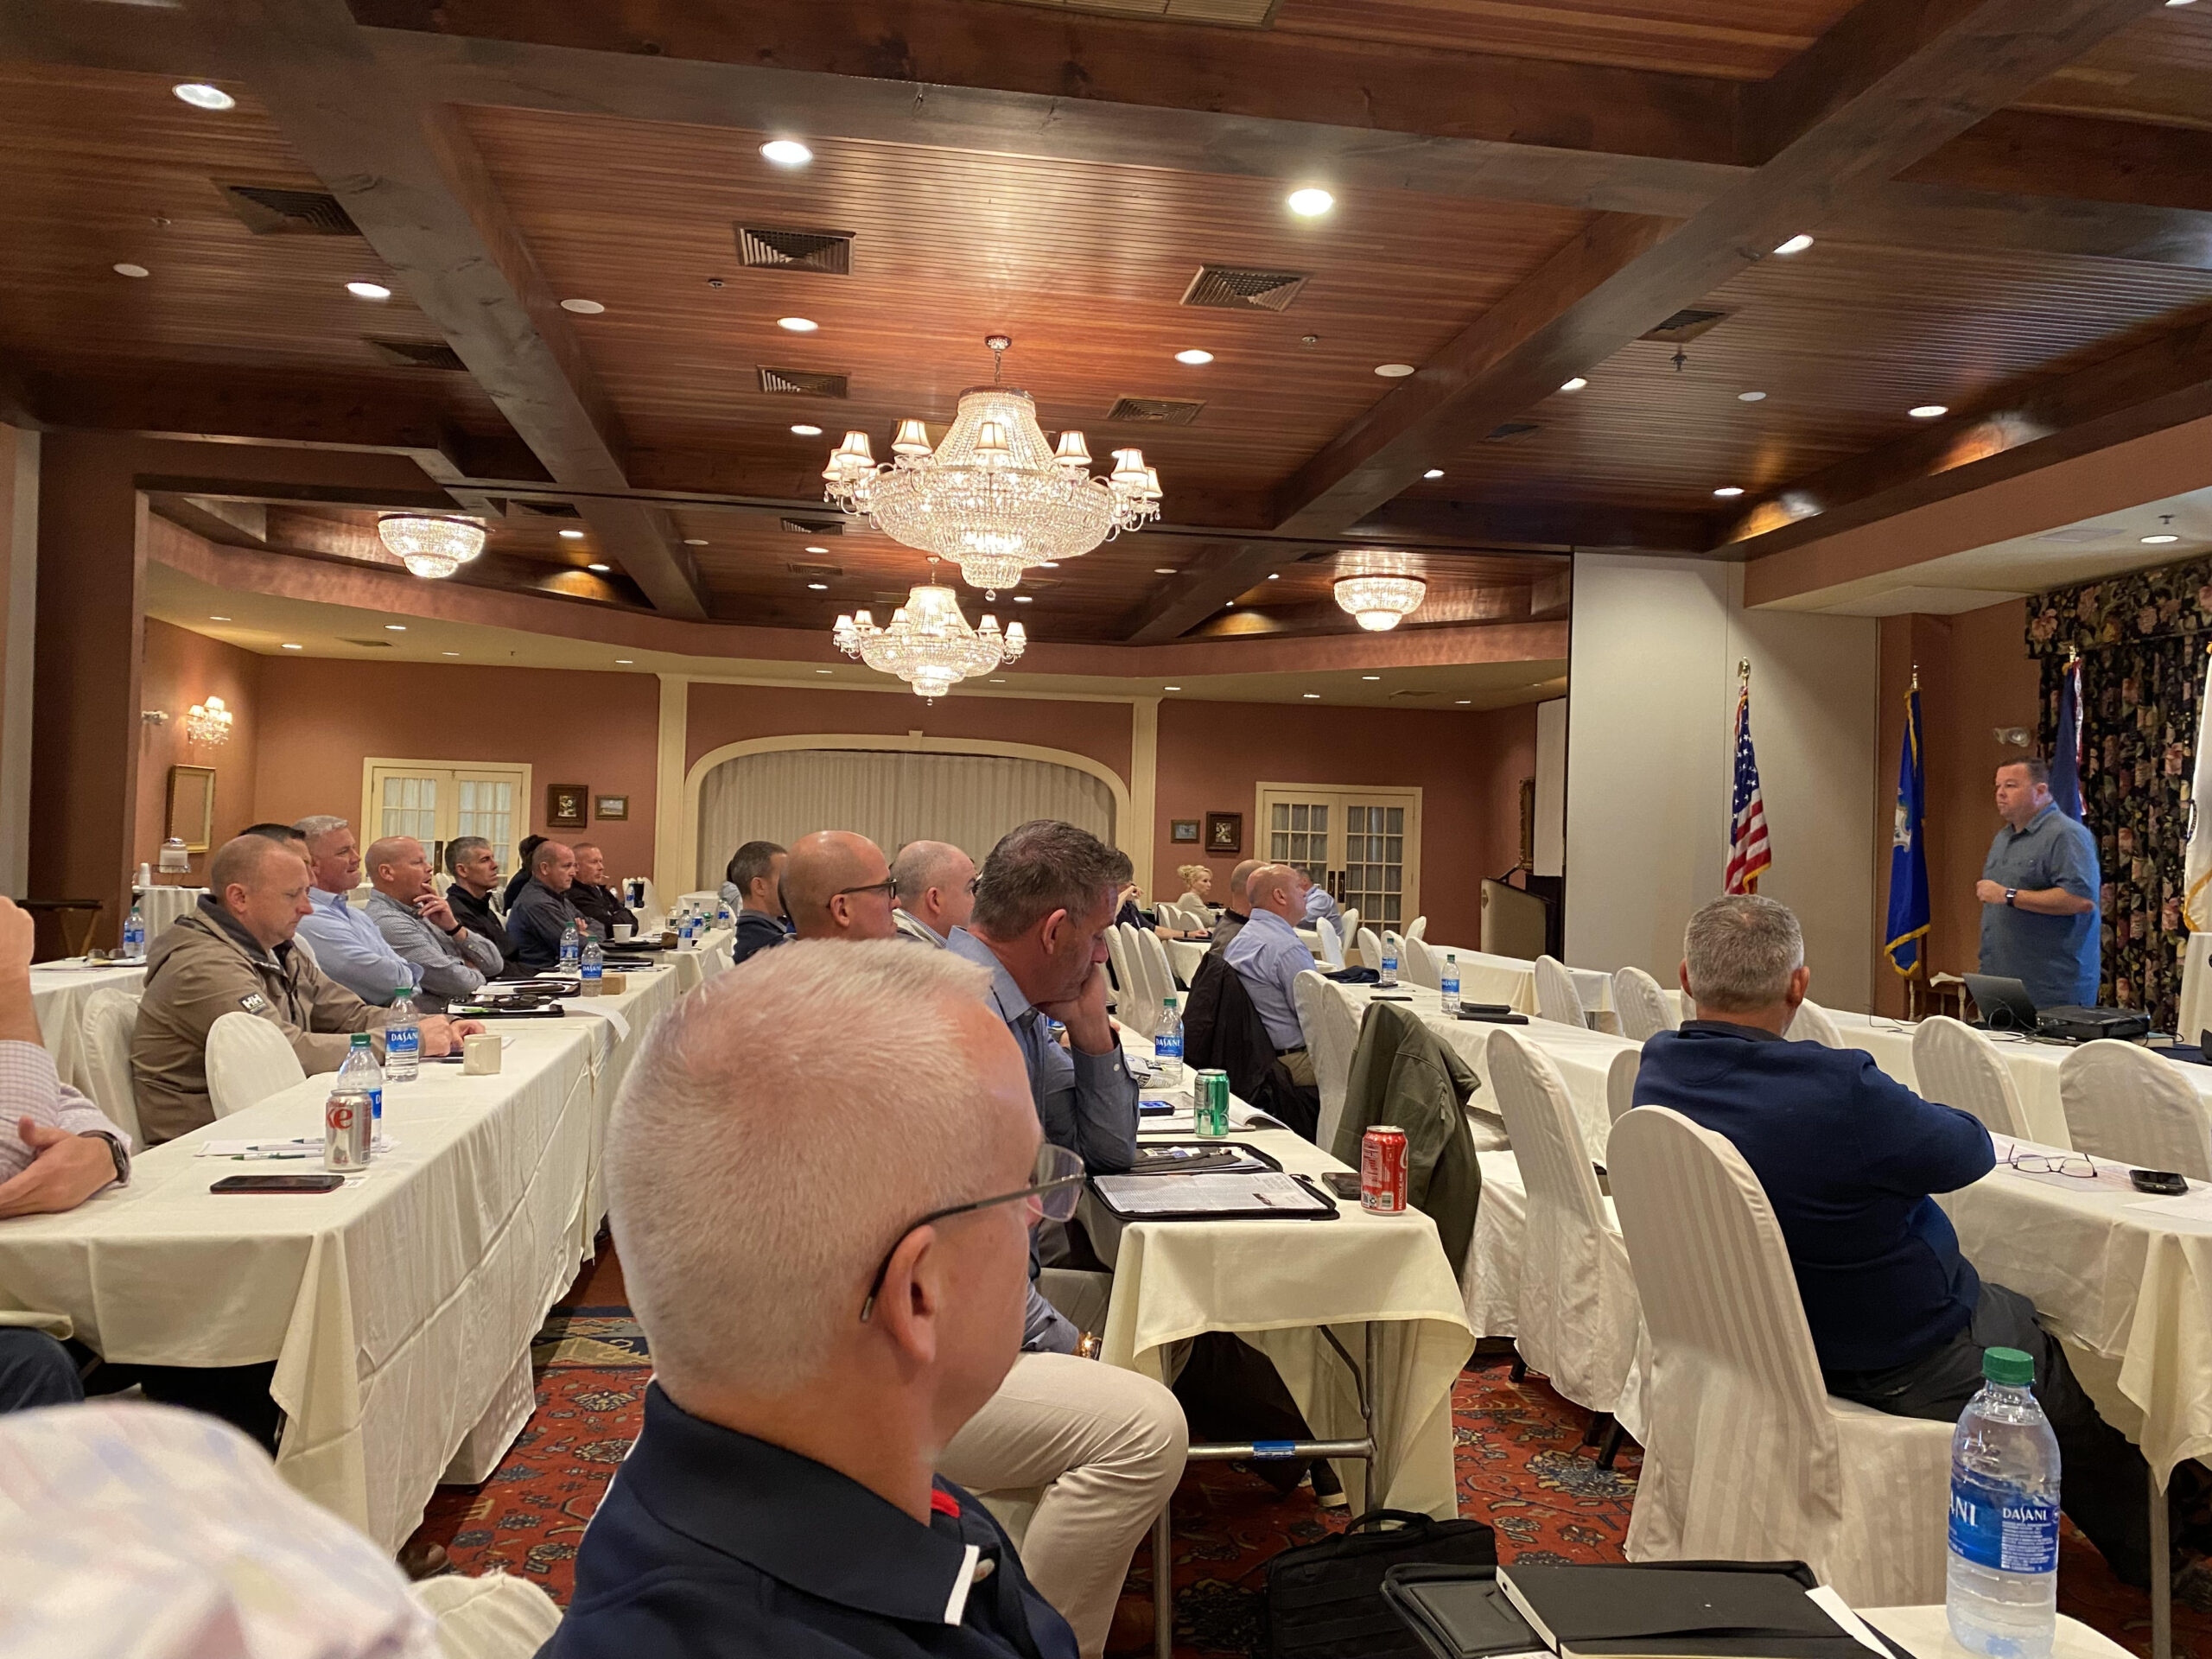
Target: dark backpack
[{"x": 1324, "y": 1599}]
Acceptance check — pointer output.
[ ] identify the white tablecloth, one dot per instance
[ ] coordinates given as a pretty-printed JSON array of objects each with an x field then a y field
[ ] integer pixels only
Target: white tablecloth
[
  {"x": 160, "y": 905},
  {"x": 399, "y": 1310},
  {"x": 1927, "y": 1631},
  {"x": 58, "y": 992}
]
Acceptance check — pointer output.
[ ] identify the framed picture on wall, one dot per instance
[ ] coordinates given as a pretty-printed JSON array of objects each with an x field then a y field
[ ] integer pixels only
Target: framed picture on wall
[
  {"x": 191, "y": 816},
  {"x": 1183, "y": 829},
  {"x": 606, "y": 808},
  {"x": 566, "y": 806},
  {"x": 1225, "y": 835}
]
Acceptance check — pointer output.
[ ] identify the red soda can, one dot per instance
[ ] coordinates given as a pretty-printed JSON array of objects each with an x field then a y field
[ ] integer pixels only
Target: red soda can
[
  {"x": 1383, "y": 1171},
  {"x": 346, "y": 1132}
]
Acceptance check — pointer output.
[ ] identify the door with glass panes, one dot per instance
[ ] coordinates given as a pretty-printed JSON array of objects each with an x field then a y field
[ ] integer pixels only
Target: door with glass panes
[
  {"x": 439, "y": 801},
  {"x": 1363, "y": 845}
]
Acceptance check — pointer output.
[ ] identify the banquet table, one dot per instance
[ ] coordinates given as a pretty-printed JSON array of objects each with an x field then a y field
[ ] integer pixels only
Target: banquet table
[
  {"x": 400, "y": 1309},
  {"x": 1275, "y": 1283},
  {"x": 59, "y": 993},
  {"x": 159, "y": 906}
]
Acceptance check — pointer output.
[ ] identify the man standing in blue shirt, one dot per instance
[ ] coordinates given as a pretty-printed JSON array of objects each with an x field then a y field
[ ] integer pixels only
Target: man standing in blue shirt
[
  {"x": 1269, "y": 957},
  {"x": 2039, "y": 890},
  {"x": 1849, "y": 1158}
]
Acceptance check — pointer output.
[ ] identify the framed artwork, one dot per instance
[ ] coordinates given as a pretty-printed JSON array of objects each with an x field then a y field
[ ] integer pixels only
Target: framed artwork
[
  {"x": 1225, "y": 835},
  {"x": 191, "y": 806},
  {"x": 610, "y": 807},
  {"x": 1183, "y": 829},
  {"x": 566, "y": 806}
]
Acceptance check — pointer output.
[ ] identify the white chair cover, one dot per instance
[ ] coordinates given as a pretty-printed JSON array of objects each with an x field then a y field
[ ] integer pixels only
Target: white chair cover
[
  {"x": 111, "y": 1018},
  {"x": 1418, "y": 965},
  {"x": 1639, "y": 1005},
  {"x": 496, "y": 1616},
  {"x": 1150, "y": 986},
  {"x": 1956, "y": 1065},
  {"x": 1371, "y": 948},
  {"x": 1815, "y": 1024},
  {"x": 1331, "y": 1036},
  {"x": 1620, "y": 1085},
  {"x": 1331, "y": 943},
  {"x": 2126, "y": 1103},
  {"x": 1491, "y": 1281},
  {"x": 1419, "y": 930},
  {"x": 1578, "y": 1310},
  {"x": 717, "y": 953},
  {"x": 248, "y": 1060},
  {"x": 1556, "y": 997},
  {"x": 1130, "y": 1005},
  {"x": 1746, "y": 1457},
  {"x": 1156, "y": 963},
  {"x": 1348, "y": 927}
]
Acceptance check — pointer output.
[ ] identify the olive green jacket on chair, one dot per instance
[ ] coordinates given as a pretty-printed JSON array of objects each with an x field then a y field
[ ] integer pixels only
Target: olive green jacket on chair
[{"x": 1402, "y": 1073}]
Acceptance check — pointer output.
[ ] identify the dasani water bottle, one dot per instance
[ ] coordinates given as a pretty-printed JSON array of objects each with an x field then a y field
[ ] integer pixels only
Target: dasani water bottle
[
  {"x": 572, "y": 948},
  {"x": 593, "y": 966},
  {"x": 1448, "y": 980},
  {"x": 403, "y": 1038},
  {"x": 1168, "y": 1047},
  {"x": 2003, "y": 1565},
  {"x": 134, "y": 931},
  {"x": 1390, "y": 973}
]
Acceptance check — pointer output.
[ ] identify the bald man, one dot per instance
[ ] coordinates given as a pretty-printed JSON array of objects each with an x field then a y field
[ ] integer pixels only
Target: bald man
[
  {"x": 1236, "y": 911},
  {"x": 453, "y": 960},
  {"x": 541, "y": 913},
  {"x": 1269, "y": 957},
  {"x": 836, "y": 886},
  {"x": 935, "y": 884}
]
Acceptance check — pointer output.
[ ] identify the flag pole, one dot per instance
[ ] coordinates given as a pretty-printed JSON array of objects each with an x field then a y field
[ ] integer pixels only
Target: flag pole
[{"x": 1919, "y": 974}]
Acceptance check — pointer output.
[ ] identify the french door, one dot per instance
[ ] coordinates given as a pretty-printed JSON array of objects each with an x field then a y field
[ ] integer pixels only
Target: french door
[
  {"x": 1363, "y": 845},
  {"x": 436, "y": 802}
]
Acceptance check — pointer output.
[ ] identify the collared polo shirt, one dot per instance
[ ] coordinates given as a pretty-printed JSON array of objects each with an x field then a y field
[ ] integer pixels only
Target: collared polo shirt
[
  {"x": 2056, "y": 957},
  {"x": 714, "y": 1545}
]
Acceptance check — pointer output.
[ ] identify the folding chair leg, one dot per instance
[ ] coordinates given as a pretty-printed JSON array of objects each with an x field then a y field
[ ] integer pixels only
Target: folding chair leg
[
  {"x": 1596, "y": 1427},
  {"x": 1519, "y": 1371},
  {"x": 1612, "y": 1449},
  {"x": 1163, "y": 1587}
]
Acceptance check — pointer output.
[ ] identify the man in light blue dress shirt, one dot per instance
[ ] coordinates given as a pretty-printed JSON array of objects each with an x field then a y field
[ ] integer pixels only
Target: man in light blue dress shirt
[
  {"x": 1317, "y": 902},
  {"x": 1268, "y": 955},
  {"x": 348, "y": 945}
]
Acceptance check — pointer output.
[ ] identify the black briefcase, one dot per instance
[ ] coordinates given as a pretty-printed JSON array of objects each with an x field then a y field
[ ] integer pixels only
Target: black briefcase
[{"x": 1324, "y": 1600}]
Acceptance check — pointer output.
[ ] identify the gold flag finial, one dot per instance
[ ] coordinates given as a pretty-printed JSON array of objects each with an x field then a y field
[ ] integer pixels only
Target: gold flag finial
[
  {"x": 1916, "y": 677},
  {"x": 1743, "y": 668}
]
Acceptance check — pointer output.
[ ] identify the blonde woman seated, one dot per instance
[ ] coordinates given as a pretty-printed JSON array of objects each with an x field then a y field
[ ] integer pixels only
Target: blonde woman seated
[{"x": 1198, "y": 884}]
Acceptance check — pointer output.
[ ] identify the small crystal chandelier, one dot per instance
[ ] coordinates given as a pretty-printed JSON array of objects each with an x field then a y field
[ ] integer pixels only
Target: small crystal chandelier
[
  {"x": 1380, "y": 601},
  {"x": 993, "y": 496},
  {"x": 431, "y": 547},
  {"x": 929, "y": 643},
  {"x": 208, "y": 723}
]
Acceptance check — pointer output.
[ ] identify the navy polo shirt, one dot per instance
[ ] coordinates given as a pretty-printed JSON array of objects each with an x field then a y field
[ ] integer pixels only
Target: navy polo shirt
[
  {"x": 1848, "y": 1157},
  {"x": 713, "y": 1545},
  {"x": 2056, "y": 957}
]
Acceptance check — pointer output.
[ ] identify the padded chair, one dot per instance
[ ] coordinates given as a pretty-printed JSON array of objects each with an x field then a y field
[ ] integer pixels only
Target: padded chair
[
  {"x": 1418, "y": 965},
  {"x": 1578, "y": 1313},
  {"x": 111, "y": 1020},
  {"x": 1371, "y": 948},
  {"x": 1556, "y": 997},
  {"x": 248, "y": 1060},
  {"x": 2128, "y": 1104},
  {"x": 1331, "y": 1036},
  {"x": 1958, "y": 1066},
  {"x": 1745, "y": 1456},
  {"x": 1129, "y": 999},
  {"x": 1620, "y": 1086},
  {"x": 1419, "y": 930},
  {"x": 496, "y": 1616},
  {"x": 1331, "y": 943},
  {"x": 1815, "y": 1024},
  {"x": 1640, "y": 1005}
]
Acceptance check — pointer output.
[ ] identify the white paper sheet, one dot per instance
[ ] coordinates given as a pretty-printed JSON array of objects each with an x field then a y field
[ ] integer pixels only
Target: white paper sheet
[{"x": 1155, "y": 1195}]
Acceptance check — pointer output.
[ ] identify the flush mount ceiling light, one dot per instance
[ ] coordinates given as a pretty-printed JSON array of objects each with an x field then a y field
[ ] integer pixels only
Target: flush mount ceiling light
[
  {"x": 201, "y": 96},
  {"x": 208, "y": 723},
  {"x": 2159, "y": 540},
  {"x": 600, "y": 569},
  {"x": 1311, "y": 202},
  {"x": 218, "y": 619},
  {"x": 695, "y": 541},
  {"x": 1750, "y": 396},
  {"x": 1929, "y": 411},
  {"x": 787, "y": 152},
  {"x": 818, "y": 586},
  {"x": 129, "y": 270},
  {"x": 1314, "y": 696},
  {"x": 797, "y": 325},
  {"x": 368, "y": 290},
  {"x": 1194, "y": 357},
  {"x": 624, "y": 662},
  {"x": 583, "y": 308},
  {"x": 817, "y": 549},
  {"x": 1173, "y": 688},
  {"x": 431, "y": 547},
  {"x": 1370, "y": 676},
  {"x": 1394, "y": 370},
  {"x": 288, "y": 645},
  {"x": 805, "y": 431},
  {"x": 929, "y": 643},
  {"x": 1575, "y": 385},
  {"x": 1163, "y": 569},
  {"x": 1380, "y": 598},
  {"x": 1434, "y": 472},
  {"x": 1795, "y": 244},
  {"x": 1729, "y": 492},
  {"x": 572, "y": 535},
  {"x": 993, "y": 496},
  {"x": 395, "y": 627}
]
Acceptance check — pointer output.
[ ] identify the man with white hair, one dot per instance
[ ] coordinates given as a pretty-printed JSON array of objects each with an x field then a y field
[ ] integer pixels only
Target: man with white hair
[
  {"x": 825, "y": 1242},
  {"x": 934, "y": 885},
  {"x": 347, "y": 945},
  {"x": 1849, "y": 1158},
  {"x": 1269, "y": 957},
  {"x": 454, "y": 961}
]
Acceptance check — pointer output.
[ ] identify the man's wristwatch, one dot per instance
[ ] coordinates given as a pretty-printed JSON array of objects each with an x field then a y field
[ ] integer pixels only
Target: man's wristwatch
[
  {"x": 1087, "y": 1345},
  {"x": 117, "y": 1151},
  {"x": 2011, "y": 893}
]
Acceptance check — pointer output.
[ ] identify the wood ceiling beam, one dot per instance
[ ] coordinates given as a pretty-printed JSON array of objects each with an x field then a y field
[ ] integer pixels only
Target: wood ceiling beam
[{"x": 423, "y": 199}]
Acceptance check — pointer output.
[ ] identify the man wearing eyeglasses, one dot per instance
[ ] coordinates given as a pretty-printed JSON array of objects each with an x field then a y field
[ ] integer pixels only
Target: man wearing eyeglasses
[
  {"x": 825, "y": 1243},
  {"x": 836, "y": 886}
]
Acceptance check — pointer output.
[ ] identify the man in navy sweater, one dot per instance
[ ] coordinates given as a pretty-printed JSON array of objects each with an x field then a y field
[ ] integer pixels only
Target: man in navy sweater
[{"x": 1848, "y": 1158}]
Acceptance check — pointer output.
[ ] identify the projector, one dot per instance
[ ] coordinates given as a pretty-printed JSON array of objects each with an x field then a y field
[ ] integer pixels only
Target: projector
[{"x": 2086, "y": 1025}]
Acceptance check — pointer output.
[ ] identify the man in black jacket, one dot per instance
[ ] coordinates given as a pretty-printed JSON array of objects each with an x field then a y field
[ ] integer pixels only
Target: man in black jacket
[
  {"x": 756, "y": 873},
  {"x": 475, "y": 871},
  {"x": 593, "y": 898},
  {"x": 541, "y": 913}
]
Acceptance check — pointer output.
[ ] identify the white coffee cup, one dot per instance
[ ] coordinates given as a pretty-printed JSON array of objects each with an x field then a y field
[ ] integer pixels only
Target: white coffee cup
[
  {"x": 622, "y": 931},
  {"x": 479, "y": 1053}
]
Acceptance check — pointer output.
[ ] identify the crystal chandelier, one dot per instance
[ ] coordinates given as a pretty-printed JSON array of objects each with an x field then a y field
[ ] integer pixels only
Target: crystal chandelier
[
  {"x": 208, "y": 723},
  {"x": 993, "y": 496},
  {"x": 431, "y": 547},
  {"x": 1381, "y": 602},
  {"x": 929, "y": 643}
]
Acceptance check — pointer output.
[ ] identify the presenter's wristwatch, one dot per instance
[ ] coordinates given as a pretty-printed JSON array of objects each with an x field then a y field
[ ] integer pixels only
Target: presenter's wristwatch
[{"x": 2011, "y": 893}]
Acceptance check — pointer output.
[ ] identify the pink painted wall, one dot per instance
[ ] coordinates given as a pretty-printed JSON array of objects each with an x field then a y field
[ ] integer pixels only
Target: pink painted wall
[{"x": 179, "y": 668}]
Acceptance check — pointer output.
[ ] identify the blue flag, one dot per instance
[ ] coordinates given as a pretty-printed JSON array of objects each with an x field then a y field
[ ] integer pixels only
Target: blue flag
[
  {"x": 1908, "y": 929},
  {"x": 2066, "y": 747}
]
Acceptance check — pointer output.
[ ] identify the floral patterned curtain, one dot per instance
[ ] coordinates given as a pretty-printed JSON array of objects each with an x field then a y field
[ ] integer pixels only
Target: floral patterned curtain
[{"x": 2142, "y": 638}]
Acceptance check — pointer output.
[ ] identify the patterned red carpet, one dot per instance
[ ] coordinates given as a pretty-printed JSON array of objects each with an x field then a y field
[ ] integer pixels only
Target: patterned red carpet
[{"x": 1521, "y": 1467}]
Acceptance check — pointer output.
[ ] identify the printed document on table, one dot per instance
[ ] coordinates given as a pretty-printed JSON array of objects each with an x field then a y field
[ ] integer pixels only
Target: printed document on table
[{"x": 1239, "y": 1194}]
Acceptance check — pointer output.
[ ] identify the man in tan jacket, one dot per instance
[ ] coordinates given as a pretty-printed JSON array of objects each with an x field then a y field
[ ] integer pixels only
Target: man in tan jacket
[{"x": 234, "y": 955}]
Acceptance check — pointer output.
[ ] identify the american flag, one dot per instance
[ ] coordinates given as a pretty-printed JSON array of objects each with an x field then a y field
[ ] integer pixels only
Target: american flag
[{"x": 1748, "y": 852}]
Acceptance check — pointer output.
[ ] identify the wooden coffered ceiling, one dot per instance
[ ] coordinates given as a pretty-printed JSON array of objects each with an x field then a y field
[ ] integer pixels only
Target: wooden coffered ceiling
[{"x": 2012, "y": 202}]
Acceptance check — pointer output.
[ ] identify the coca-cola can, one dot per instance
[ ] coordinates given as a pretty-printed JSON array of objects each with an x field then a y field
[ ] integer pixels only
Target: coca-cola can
[
  {"x": 346, "y": 1132},
  {"x": 1383, "y": 1171}
]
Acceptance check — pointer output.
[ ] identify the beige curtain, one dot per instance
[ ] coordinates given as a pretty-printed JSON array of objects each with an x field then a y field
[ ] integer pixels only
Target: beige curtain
[{"x": 891, "y": 795}]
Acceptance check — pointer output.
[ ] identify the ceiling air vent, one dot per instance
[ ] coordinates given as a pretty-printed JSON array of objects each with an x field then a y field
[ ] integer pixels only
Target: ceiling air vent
[
  {"x": 805, "y": 382},
  {"x": 829, "y": 252},
  {"x": 1686, "y": 325},
  {"x": 417, "y": 353},
  {"x": 1226, "y": 288},
  {"x": 817, "y": 570},
  {"x": 366, "y": 644},
  {"x": 275, "y": 210},
  {"x": 812, "y": 526},
  {"x": 1155, "y": 411},
  {"x": 551, "y": 509},
  {"x": 1512, "y": 432}
]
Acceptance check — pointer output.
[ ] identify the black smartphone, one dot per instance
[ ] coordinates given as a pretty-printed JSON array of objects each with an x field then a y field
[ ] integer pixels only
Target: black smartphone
[
  {"x": 279, "y": 1184},
  {"x": 1345, "y": 1183},
  {"x": 1388, "y": 997},
  {"x": 2162, "y": 1181},
  {"x": 1494, "y": 1016}
]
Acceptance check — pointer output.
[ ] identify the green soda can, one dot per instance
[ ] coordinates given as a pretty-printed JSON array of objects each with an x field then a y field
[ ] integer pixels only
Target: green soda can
[{"x": 1209, "y": 1105}]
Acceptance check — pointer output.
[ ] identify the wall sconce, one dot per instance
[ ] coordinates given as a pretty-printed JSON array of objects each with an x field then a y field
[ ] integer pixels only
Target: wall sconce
[{"x": 208, "y": 723}]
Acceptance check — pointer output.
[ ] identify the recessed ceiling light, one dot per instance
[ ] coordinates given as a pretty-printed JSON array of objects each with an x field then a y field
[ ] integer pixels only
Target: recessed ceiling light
[
  {"x": 1023, "y": 599},
  {"x": 600, "y": 568},
  {"x": 1929, "y": 411},
  {"x": 695, "y": 541},
  {"x": 129, "y": 270},
  {"x": 1275, "y": 575},
  {"x": 583, "y": 308},
  {"x": 1575, "y": 385},
  {"x": 817, "y": 549},
  {"x": 797, "y": 325},
  {"x": 1194, "y": 357},
  {"x": 1313, "y": 696},
  {"x": 1048, "y": 564},
  {"x": 1311, "y": 202},
  {"x": 1462, "y": 702},
  {"x": 787, "y": 152},
  {"x": 1175, "y": 688},
  {"x": 1750, "y": 396},
  {"x": 1370, "y": 676},
  {"x": 998, "y": 681},
  {"x": 218, "y": 619},
  {"x": 395, "y": 627},
  {"x": 824, "y": 670},
  {"x": 1796, "y": 245},
  {"x": 1434, "y": 472},
  {"x": 1394, "y": 370},
  {"x": 624, "y": 662},
  {"x": 572, "y": 535},
  {"x": 803, "y": 430},
  {"x": 288, "y": 645},
  {"x": 201, "y": 96},
  {"x": 819, "y": 587},
  {"x": 2159, "y": 541},
  {"x": 368, "y": 290},
  {"x": 450, "y": 653},
  {"x": 1728, "y": 492}
]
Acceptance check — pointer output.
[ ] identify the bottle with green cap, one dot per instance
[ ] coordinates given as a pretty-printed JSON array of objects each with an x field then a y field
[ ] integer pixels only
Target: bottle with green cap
[{"x": 2002, "y": 1598}]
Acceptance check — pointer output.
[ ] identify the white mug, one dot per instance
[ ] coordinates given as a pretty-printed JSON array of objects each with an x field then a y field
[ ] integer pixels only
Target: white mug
[
  {"x": 623, "y": 932},
  {"x": 479, "y": 1053}
]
